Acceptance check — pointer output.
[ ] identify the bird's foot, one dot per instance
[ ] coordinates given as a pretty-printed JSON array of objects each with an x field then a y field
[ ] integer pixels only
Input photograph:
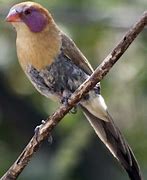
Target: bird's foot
[
  {"x": 97, "y": 89},
  {"x": 73, "y": 110},
  {"x": 37, "y": 129},
  {"x": 64, "y": 101}
]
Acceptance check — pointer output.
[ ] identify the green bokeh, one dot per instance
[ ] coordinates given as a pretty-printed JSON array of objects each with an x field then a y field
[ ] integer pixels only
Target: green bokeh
[{"x": 76, "y": 153}]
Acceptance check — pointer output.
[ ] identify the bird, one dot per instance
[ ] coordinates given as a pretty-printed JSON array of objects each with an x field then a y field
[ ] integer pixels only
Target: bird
[{"x": 56, "y": 67}]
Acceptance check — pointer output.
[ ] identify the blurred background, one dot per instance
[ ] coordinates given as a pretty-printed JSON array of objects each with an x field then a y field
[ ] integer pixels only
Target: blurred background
[{"x": 76, "y": 153}]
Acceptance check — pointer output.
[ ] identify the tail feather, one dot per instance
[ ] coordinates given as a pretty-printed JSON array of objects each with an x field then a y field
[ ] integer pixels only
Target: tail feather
[{"x": 113, "y": 139}]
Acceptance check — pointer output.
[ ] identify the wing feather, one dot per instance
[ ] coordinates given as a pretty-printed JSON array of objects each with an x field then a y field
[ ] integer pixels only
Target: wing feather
[{"x": 70, "y": 49}]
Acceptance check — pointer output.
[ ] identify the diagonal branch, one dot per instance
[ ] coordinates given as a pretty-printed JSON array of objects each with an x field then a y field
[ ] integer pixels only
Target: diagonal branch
[{"x": 55, "y": 118}]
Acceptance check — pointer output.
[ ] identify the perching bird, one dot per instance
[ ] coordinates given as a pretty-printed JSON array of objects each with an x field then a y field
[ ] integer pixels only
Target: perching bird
[{"x": 56, "y": 67}]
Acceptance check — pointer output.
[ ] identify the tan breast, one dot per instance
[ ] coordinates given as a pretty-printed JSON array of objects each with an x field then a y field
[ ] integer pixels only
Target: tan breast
[{"x": 37, "y": 49}]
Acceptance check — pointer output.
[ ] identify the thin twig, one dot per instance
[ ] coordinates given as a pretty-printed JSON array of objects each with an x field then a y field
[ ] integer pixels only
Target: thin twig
[{"x": 53, "y": 120}]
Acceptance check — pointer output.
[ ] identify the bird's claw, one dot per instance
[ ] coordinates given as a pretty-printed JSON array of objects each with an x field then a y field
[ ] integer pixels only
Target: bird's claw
[
  {"x": 97, "y": 89},
  {"x": 50, "y": 138},
  {"x": 37, "y": 129},
  {"x": 73, "y": 110},
  {"x": 64, "y": 101}
]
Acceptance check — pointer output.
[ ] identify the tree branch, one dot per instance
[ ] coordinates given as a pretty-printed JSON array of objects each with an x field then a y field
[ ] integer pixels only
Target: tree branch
[{"x": 55, "y": 118}]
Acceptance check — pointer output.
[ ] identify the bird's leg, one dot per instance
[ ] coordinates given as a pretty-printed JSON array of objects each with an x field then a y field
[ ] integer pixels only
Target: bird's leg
[
  {"x": 66, "y": 95},
  {"x": 64, "y": 101},
  {"x": 50, "y": 138}
]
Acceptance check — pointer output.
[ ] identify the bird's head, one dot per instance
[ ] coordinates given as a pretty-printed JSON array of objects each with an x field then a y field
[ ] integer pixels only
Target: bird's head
[{"x": 29, "y": 14}]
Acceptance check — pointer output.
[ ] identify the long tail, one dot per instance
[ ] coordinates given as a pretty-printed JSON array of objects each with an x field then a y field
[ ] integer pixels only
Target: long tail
[{"x": 113, "y": 139}]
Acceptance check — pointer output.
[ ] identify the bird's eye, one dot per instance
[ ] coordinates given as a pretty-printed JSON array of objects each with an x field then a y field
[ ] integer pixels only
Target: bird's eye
[{"x": 27, "y": 12}]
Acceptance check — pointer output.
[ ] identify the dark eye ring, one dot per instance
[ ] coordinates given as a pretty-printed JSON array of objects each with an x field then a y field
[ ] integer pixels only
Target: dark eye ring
[{"x": 27, "y": 12}]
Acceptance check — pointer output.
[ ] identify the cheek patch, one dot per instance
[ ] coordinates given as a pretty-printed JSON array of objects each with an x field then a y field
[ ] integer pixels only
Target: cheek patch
[{"x": 35, "y": 21}]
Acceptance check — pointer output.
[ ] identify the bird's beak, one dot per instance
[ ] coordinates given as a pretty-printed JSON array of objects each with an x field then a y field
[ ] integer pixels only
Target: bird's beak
[{"x": 13, "y": 16}]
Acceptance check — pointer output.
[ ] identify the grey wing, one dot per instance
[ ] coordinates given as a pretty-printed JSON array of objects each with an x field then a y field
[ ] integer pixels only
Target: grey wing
[{"x": 70, "y": 49}]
